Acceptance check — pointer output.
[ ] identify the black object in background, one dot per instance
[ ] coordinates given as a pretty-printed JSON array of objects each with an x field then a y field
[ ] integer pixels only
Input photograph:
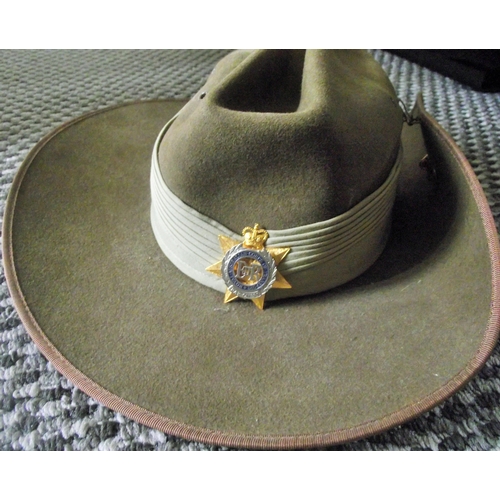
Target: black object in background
[{"x": 480, "y": 69}]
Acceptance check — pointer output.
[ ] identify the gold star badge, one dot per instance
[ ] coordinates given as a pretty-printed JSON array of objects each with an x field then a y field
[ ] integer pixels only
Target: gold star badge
[{"x": 248, "y": 269}]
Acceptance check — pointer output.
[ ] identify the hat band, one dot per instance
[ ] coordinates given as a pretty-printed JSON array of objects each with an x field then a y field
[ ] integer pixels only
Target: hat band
[{"x": 323, "y": 254}]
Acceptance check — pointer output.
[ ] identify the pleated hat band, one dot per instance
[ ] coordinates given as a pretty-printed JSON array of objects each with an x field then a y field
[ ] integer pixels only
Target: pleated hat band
[{"x": 321, "y": 255}]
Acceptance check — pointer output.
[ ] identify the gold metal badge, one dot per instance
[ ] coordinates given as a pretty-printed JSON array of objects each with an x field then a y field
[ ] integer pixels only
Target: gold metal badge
[{"x": 248, "y": 268}]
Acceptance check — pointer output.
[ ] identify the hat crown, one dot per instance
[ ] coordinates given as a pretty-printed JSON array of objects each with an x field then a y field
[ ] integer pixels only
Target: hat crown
[{"x": 284, "y": 137}]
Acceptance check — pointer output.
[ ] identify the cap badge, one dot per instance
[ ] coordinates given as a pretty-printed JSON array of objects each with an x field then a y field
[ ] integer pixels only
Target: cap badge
[{"x": 248, "y": 269}]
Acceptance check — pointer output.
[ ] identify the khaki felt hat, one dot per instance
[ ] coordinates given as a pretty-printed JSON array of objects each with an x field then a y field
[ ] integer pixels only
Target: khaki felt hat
[{"x": 286, "y": 140}]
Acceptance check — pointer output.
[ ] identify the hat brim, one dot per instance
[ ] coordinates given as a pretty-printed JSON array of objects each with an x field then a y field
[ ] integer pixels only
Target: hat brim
[{"x": 112, "y": 314}]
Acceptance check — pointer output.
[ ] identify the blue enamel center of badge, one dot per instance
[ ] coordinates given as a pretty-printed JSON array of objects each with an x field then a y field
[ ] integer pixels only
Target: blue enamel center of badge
[{"x": 247, "y": 270}]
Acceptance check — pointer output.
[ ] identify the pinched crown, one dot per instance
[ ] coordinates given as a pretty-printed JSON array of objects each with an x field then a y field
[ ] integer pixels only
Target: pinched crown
[{"x": 321, "y": 128}]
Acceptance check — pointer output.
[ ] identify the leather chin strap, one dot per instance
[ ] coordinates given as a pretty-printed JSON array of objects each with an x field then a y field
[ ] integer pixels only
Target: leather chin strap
[{"x": 323, "y": 255}]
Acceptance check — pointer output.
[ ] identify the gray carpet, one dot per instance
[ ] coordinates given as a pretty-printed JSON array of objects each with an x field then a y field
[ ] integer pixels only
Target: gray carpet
[{"x": 40, "y": 409}]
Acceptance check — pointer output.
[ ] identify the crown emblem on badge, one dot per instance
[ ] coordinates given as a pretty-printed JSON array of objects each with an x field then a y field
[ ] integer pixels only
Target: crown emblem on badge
[
  {"x": 248, "y": 268},
  {"x": 255, "y": 237}
]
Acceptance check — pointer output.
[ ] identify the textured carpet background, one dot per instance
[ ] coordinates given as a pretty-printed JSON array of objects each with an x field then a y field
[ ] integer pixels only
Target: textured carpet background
[{"x": 40, "y": 409}]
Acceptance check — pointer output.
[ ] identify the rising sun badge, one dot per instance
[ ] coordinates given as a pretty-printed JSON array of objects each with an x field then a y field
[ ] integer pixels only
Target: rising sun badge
[{"x": 248, "y": 268}]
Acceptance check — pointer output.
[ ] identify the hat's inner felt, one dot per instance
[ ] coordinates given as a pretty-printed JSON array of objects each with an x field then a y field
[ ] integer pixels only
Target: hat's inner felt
[{"x": 106, "y": 297}]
